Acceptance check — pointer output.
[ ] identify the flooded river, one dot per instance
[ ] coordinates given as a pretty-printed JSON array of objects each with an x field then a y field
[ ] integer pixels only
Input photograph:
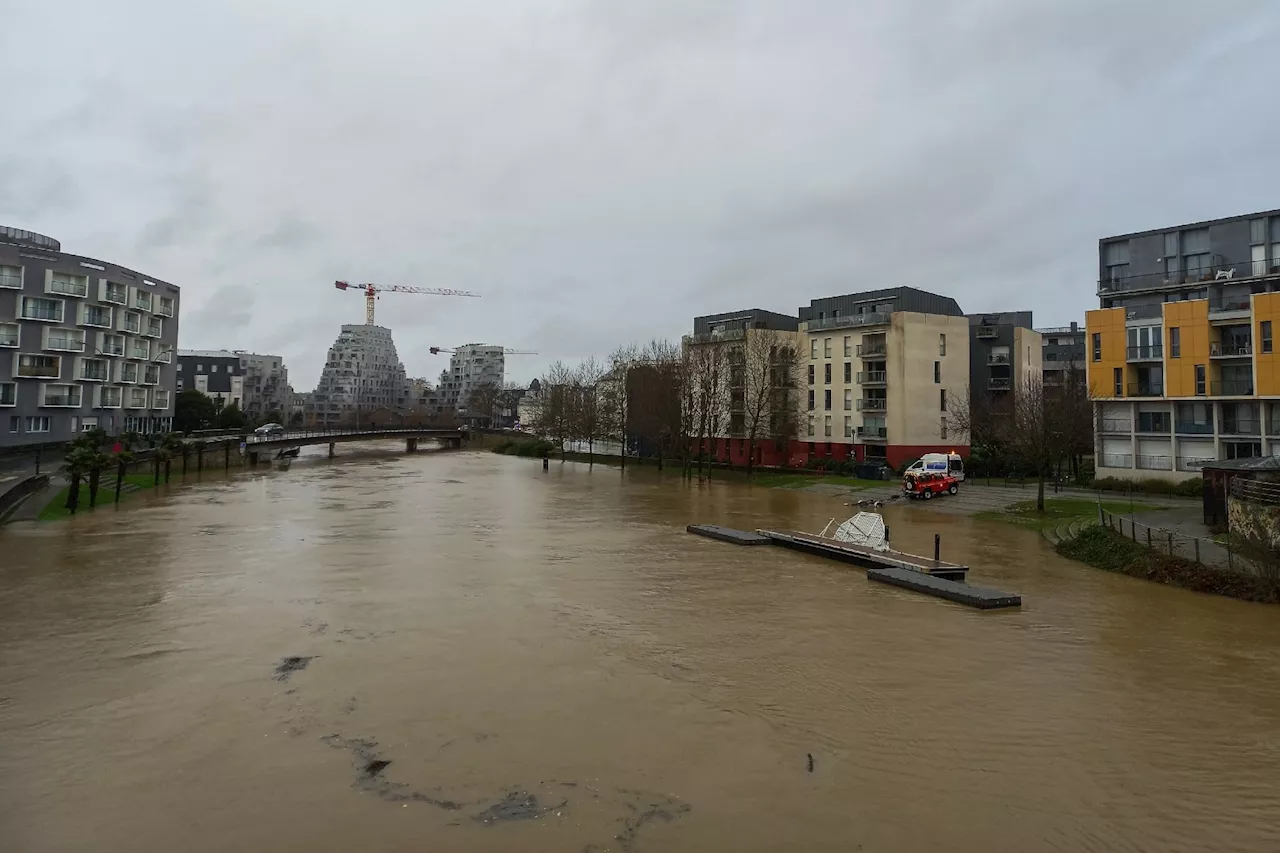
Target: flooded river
[{"x": 460, "y": 652}]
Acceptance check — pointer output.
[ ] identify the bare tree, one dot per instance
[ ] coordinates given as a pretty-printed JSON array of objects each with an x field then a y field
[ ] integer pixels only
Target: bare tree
[
  {"x": 654, "y": 401},
  {"x": 1025, "y": 430},
  {"x": 483, "y": 400},
  {"x": 614, "y": 399},
  {"x": 1072, "y": 407},
  {"x": 588, "y": 418},
  {"x": 552, "y": 410},
  {"x": 706, "y": 394},
  {"x": 769, "y": 363}
]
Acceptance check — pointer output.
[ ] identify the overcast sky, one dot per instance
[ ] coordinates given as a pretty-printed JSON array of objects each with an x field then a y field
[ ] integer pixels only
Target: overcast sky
[{"x": 604, "y": 170}]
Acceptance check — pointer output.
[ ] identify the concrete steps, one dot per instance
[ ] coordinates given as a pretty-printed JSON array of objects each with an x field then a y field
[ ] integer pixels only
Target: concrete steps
[{"x": 1065, "y": 532}]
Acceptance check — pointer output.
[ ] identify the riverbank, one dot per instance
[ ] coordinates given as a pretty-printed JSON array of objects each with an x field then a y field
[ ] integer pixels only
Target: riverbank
[
  {"x": 1058, "y": 512},
  {"x": 1107, "y": 550},
  {"x": 55, "y": 508}
]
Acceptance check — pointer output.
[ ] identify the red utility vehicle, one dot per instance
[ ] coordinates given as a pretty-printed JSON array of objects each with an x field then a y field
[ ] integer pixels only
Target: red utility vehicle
[{"x": 925, "y": 486}]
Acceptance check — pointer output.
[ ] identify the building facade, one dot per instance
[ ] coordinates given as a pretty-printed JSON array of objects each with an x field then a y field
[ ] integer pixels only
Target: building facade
[
  {"x": 267, "y": 392},
  {"x": 1180, "y": 354},
  {"x": 362, "y": 372},
  {"x": 1004, "y": 352},
  {"x": 215, "y": 373},
  {"x": 1063, "y": 350},
  {"x": 83, "y": 343},
  {"x": 469, "y": 366}
]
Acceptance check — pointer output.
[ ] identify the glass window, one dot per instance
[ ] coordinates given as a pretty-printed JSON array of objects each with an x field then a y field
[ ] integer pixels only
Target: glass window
[
  {"x": 1266, "y": 335},
  {"x": 1097, "y": 346},
  {"x": 1195, "y": 241},
  {"x": 1118, "y": 377},
  {"x": 826, "y": 400},
  {"x": 1175, "y": 342},
  {"x": 14, "y": 421},
  {"x": 1116, "y": 253},
  {"x": 1275, "y": 229},
  {"x": 937, "y": 372},
  {"x": 826, "y": 347},
  {"x": 1257, "y": 231},
  {"x": 1200, "y": 380},
  {"x": 811, "y": 399},
  {"x": 848, "y": 371},
  {"x": 942, "y": 429},
  {"x": 826, "y": 426},
  {"x": 942, "y": 344},
  {"x": 1171, "y": 243},
  {"x": 848, "y": 427},
  {"x": 848, "y": 399},
  {"x": 942, "y": 399},
  {"x": 811, "y": 374},
  {"x": 826, "y": 373},
  {"x": 813, "y": 348}
]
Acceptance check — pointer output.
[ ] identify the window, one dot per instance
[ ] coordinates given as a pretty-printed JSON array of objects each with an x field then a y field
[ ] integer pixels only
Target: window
[
  {"x": 826, "y": 347},
  {"x": 811, "y": 423},
  {"x": 36, "y": 308},
  {"x": 848, "y": 371},
  {"x": 1175, "y": 342},
  {"x": 1199, "y": 380},
  {"x": 14, "y": 423},
  {"x": 942, "y": 344},
  {"x": 826, "y": 426},
  {"x": 942, "y": 429},
  {"x": 39, "y": 423},
  {"x": 811, "y": 401},
  {"x": 826, "y": 400},
  {"x": 1097, "y": 346},
  {"x": 8, "y": 393},
  {"x": 813, "y": 351},
  {"x": 848, "y": 345},
  {"x": 942, "y": 399},
  {"x": 1115, "y": 257},
  {"x": 1154, "y": 421},
  {"x": 1257, "y": 231},
  {"x": 848, "y": 427},
  {"x": 937, "y": 372},
  {"x": 213, "y": 368},
  {"x": 9, "y": 334},
  {"x": 826, "y": 373},
  {"x": 11, "y": 277},
  {"x": 811, "y": 374},
  {"x": 1118, "y": 379},
  {"x": 848, "y": 399},
  {"x": 1265, "y": 334},
  {"x": 199, "y": 368}
]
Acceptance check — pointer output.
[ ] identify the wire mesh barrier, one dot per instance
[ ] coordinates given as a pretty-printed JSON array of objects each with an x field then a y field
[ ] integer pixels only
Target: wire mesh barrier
[{"x": 1203, "y": 550}]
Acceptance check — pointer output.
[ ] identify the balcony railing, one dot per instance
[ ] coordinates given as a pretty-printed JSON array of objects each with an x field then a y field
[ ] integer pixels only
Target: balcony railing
[
  {"x": 165, "y": 309},
  {"x": 1144, "y": 312},
  {"x": 38, "y": 371},
  {"x": 1117, "y": 460},
  {"x": 11, "y": 281},
  {"x": 1220, "y": 349},
  {"x": 998, "y": 358},
  {"x": 65, "y": 343},
  {"x": 1220, "y": 271},
  {"x": 69, "y": 288},
  {"x": 140, "y": 352},
  {"x": 873, "y": 433},
  {"x": 1154, "y": 463},
  {"x": 8, "y": 339},
  {"x": 871, "y": 350},
  {"x": 1232, "y": 388},
  {"x": 1159, "y": 427},
  {"x": 717, "y": 337},
  {"x": 71, "y": 400},
  {"x": 1146, "y": 389},
  {"x": 110, "y": 398},
  {"x": 1115, "y": 425},
  {"x": 872, "y": 377},
  {"x": 32, "y": 311},
  {"x": 1242, "y": 426},
  {"x": 1150, "y": 352},
  {"x": 1234, "y": 303},
  {"x": 94, "y": 373},
  {"x": 985, "y": 332},
  {"x": 117, "y": 295},
  {"x": 98, "y": 318},
  {"x": 1000, "y": 383},
  {"x": 873, "y": 318},
  {"x": 872, "y": 404},
  {"x": 1189, "y": 428},
  {"x": 132, "y": 327}
]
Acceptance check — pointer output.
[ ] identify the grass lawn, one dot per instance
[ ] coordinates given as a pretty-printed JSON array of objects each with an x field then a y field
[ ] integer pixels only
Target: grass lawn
[
  {"x": 779, "y": 480},
  {"x": 1057, "y": 511},
  {"x": 57, "y": 508}
]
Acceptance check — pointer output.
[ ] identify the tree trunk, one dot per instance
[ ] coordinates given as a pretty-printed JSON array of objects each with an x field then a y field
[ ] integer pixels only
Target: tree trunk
[
  {"x": 1040, "y": 489},
  {"x": 751, "y": 455},
  {"x": 73, "y": 494},
  {"x": 167, "y": 464},
  {"x": 119, "y": 478},
  {"x": 591, "y": 453},
  {"x": 94, "y": 476},
  {"x": 156, "y": 468}
]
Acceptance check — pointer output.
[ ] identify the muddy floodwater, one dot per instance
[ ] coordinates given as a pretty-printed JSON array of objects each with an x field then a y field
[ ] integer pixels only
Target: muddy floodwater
[{"x": 460, "y": 652}]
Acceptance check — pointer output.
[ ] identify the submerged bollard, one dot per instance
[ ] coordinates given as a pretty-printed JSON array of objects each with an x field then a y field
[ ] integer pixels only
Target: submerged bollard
[
  {"x": 937, "y": 548},
  {"x": 546, "y": 464}
]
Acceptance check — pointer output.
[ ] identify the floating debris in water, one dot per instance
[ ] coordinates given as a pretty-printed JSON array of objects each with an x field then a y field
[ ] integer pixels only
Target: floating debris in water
[{"x": 288, "y": 666}]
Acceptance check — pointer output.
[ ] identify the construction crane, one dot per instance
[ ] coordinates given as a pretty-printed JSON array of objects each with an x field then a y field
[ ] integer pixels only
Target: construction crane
[
  {"x": 505, "y": 351},
  {"x": 371, "y": 292}
]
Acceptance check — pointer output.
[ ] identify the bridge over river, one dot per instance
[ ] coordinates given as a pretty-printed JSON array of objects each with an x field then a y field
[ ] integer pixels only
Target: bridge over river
[{"x": 256, "y": 446}]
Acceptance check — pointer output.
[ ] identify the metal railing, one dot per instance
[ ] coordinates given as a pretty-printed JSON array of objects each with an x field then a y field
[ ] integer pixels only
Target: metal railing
[
  {"x": 337, "y": 432},
  {"x": 61, "y": 400},
  {"x": 998, "y": 358},
  {"x": 873, "y": 432},
  {"x": 1161, "y": 426},
  {"x": 1115, "y": 425},
  {"x": 1000, "y": 383},
  {"x": 1221, "y": 271},
  {"x": 69, "y": 288},
  {"x": 869, "y": 350},
  {"x": 873, "y": 318},
  {"x": 1146, "y": 389},
  {"x": 873, "y": 377},
  {"x": 1164, "y": 540},
  {"x": 1140, "y": 353},
  {"x": 1188, "y": 428},
  {"x": 1154, "y": 463},
  {"x": 1260, "y": 491},
  {"x": 872, "y": 404},
  {"x": 1220, "y": 349},
  {"x": 1117, "y": 460},
  {"x": 1144, "y": 312},
  {"x": 1231, "y": 388},
  {"x": 36, "y": 312},
  {"x": 1233, "y": 303},
  {"x": 117, "y": 297},
  {"x": 1242, "y": 426},
  {"x": 64, "y": 343},
  {"x": 11, "y": 281},
  {"x": 1062, "y": 330},
  {"x": 986, "y": 332}
]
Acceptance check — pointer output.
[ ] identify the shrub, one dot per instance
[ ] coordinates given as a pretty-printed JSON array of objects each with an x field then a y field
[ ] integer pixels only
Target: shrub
[
  {"x": 1187, "y": 488},
  {"x": 532, "y": 447}
]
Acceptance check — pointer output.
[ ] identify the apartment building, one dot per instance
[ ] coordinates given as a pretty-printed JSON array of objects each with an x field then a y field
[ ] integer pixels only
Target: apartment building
[
  {"x": 735, "y": 332},
  {"x": 881, "y": 368},
  {"x": 470, "y": 365},
  {"x": 1180, "y": 354},
  {"x": 214, "y": 373},
  {"x": 1004, "y": 351},
  {"x": 266, "y": 385},
  {"x": 1062, "y": 350},
  {"x": 362, "y": 372},
  {"x": 83, "y": 343}
]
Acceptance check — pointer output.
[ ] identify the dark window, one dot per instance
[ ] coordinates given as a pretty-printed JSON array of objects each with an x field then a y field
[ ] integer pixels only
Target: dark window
[
  {"x": 937, "y": 371},
  {"x": 942, "y": 398},
  {"x": 1175, "y": 342},
  {"x": 1266, "y": 335},
  {"x": 1118, "y": 375},
  {"x": 811, "y": 399},
  {"x": 811, "y": 375},
  {"x": 1097, "y": 346},
  {"x": 848, "y": 371},
  {"x": 1154, "y": 421},
  {"x": 826, "y": 400},
  {"x": 826, "y": 374},
  {"x": 1200, "y": 380},
  {"x": 942, "y": 344}
]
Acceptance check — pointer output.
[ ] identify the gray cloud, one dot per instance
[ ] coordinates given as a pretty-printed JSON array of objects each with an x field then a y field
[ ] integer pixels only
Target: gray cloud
[{"x": 603, "y": 171}]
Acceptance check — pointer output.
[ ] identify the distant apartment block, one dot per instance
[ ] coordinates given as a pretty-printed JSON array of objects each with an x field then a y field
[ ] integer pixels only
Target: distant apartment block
[
  {"x": 266, "y": 385},
  {"x": 362, "y": 372},
  {"x": 1180, "y": 353},
  {"x": 470, "y": 365},
  {"x": 215, "y": 373},
  {"x": 83, "y": 343},
  {"x": 1004, "y": 353},
  {"x": 1063, "y": 350}
]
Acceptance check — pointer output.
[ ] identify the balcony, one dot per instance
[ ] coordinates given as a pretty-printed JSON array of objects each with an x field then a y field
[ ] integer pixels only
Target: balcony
[
  {"x": 988, "y": 332},
  {"x": 108, "y": 397},
  {"x": 164, "y": 356},
  {"x": 115, "y": 294},
  {"x": 872, "y": 318},
  {"x": 1115, "y": 425},
  {"x": 872, "y": 350},
  {"x": 867, "y": 433},
  {"x": 13, "y": 282},
  {"x": 95, "y": 316},
  {"x": 65, "y": 343},
  {"x": 1000, "y": 383},
  {"x": 77, "y": 286},
  {"x": 716, "y": 337},
  {"x": 1221, "y": 270},
  {"x": 873, "y": 377},
  {"x": 1223, "y": 305},
  {"x": 62, "y": 396},
  {"x": 161, "y": 400},
  {"x": 1150, "y": 388},
  {"x": 142, "y": 302},
  {"x": 1150, "y": 352},
  {"x": 1189, "y": 428},
  {"x": 1232, "y": 388},
  {"x": 872, "y": 404},
  {"x": 38, "y": 367},
  {"x": 136, "y": 399},
  {"x": 1154, "y": 424},
  {"x": 132, "y": 326},
  {"x": 166, "y": 307},
  {"x": 128, "y": 373},
  {"x": 46, "y": 310},
  {"x": 94, "y": 371},
  {"x": 1241, "y": 426},
  {"x": 1229, "y": 349},
  {"x": 9, "y": 333},
  {"x": 1154, "y": 463},
  {"x": 143, "y": 352},
  {"x": 153, "y": 329},
  {"x": 8, "y": 394},
  {"x": 1144, "y": 312},
  {"x": 998, "y": 358},
  {"x": 112, "y": 346}
]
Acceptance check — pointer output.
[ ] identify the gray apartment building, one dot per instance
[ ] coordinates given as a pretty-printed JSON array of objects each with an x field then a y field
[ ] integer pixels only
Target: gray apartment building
[
  {"x": 469, "y": 366},
  {"x": 1004, "y": 350},
  {"x": 1063, "y": 349},
  {"x": 215, "y": 373},
  {"x": 266, "y": 385},
  {"x": 362, "y": 372},
  {"x": 84, "y": 343}
]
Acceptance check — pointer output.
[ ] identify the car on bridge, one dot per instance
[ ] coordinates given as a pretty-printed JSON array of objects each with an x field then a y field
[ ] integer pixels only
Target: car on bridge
[{"x": 269, "y": 429}]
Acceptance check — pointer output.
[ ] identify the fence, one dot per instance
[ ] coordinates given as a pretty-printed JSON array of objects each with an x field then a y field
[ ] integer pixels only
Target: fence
[{"x": 1202, "y": 550}]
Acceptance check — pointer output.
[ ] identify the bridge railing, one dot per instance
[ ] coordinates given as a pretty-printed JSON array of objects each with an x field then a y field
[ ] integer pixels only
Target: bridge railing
[{"x": 342, "y": 432}]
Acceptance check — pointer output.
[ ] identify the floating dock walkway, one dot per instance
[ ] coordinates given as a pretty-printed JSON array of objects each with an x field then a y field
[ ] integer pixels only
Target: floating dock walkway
[{"x": 908, "y": 571}]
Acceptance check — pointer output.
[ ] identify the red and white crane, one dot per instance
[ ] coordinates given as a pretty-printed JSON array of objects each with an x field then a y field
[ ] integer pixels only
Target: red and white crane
[
  {"x": 371, "y": 292},
  {"x": 505, "y": 351}
]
